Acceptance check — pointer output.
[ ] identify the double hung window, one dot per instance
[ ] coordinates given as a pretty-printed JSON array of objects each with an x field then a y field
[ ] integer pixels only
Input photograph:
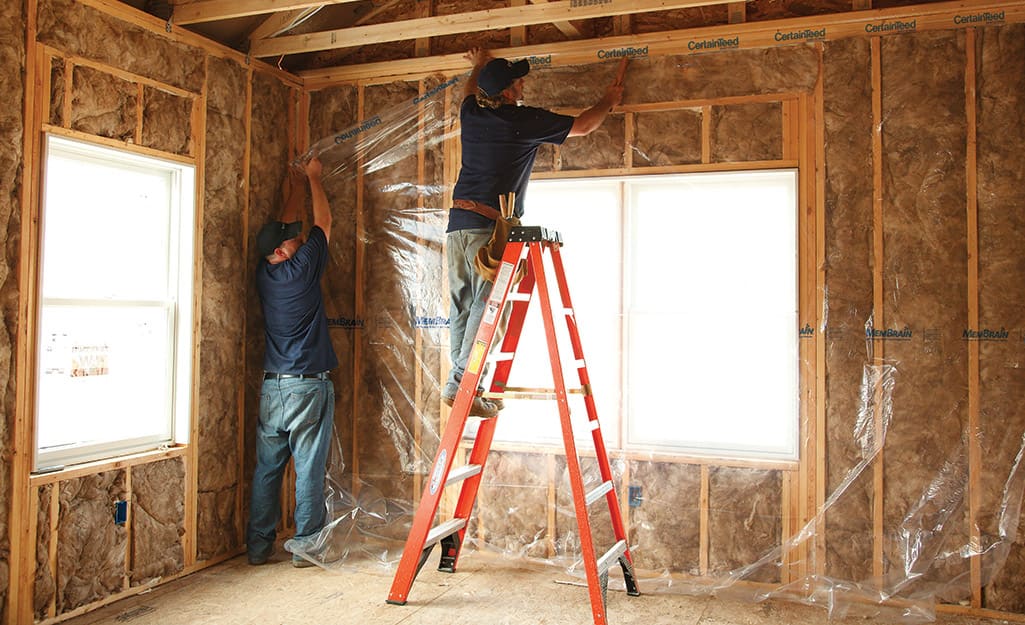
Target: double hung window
[{"x": 115, "y": 324}]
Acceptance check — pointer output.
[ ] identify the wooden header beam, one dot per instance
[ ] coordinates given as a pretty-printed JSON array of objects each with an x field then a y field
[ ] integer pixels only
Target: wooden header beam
[
  {"x": 707, "y": 40},
  {"x": 474, "y": 21},
  {"x": 196, "y": 11}
]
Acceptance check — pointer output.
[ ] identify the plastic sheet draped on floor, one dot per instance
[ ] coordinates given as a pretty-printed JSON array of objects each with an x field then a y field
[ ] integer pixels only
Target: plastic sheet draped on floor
[{"x": 405, "y": 352}]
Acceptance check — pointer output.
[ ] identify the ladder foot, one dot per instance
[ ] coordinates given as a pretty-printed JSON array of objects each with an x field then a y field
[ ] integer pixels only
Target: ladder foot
[
  {"x": 395, "y": 602},
  {"x": 450, "y": 546},
  {"x": 629, "y": 579}
]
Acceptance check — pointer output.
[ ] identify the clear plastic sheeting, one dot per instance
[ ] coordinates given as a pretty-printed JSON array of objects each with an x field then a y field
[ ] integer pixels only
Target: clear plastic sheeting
[
  {"x": 383, "y": 139},
  {"x": 524, "y": 510}
]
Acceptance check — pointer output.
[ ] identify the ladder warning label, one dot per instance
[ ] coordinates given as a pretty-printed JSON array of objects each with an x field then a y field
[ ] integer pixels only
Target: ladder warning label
[
  {"x": 476, "y": 357},
  {"x": 505, "y": 273},
  {"x": 490, "y": 313}
]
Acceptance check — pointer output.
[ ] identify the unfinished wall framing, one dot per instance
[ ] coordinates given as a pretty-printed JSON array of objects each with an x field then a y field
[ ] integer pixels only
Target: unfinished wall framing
[{"x": 908, "y": 145}]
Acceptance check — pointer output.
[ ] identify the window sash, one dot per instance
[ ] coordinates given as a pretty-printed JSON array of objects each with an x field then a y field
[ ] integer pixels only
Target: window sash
[{"x": 116, "y": 343}]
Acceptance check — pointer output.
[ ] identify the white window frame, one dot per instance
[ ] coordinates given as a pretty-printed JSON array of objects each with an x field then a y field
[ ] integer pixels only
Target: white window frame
[
  {"x": 175, "y": 303},
  {"x": 617, "y": 427}
]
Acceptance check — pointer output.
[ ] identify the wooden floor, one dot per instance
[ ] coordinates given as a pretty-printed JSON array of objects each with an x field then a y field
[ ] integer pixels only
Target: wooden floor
[{"x": 485, "y": 591}]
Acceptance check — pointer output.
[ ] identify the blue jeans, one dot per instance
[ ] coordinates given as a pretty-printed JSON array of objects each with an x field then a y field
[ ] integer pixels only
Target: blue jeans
[
  {"x": 296, "y": 420},
  {"x": 468, "y": 293}
]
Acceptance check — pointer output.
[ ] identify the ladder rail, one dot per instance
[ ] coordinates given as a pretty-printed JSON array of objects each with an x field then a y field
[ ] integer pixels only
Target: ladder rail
[
  {"x": 486, "y": 431},
  {"x": 594, "y": 584},
  {"x": 412, "y": 560},
  {"x": 585, "y": 382}
]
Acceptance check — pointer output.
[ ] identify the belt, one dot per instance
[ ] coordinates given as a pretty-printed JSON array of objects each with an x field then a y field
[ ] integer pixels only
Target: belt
[
  {"x": 323, "y": 375},
  {"x": 477, "y": 207}
]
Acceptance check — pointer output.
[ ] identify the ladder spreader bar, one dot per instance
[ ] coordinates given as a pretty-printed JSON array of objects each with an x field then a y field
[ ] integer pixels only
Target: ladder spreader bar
[
  {"x": 596, "y": 494},
  {"x": 611, "y": 556},
  {"x": 462, "y": 473},
  {"x": 445, "y": 529}
]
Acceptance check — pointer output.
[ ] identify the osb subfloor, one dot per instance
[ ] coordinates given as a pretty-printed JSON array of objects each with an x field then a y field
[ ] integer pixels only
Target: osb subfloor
[{"x": 485, "y": 591}]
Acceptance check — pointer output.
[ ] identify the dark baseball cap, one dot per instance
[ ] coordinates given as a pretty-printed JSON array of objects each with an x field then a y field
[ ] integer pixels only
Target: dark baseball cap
[
  {"x": 499, "y": 74},
  {"x": 270, "y": 237}
]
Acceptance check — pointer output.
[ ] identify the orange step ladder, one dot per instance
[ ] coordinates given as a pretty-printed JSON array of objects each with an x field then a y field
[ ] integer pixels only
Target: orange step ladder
[{"x": 527, "y": 243}]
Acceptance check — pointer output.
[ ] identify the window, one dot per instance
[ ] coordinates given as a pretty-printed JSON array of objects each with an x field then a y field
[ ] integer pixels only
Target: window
[
  {"x": 114, "y": 342},
  {"x": 685, "y": 291}
]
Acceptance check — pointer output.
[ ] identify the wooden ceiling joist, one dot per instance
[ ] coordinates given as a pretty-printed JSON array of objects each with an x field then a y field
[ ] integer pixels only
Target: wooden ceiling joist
[
  {"x": 474, "y": 21},
  {"x": 196, "y": 11},
  {"x": 280, "y": 22}
]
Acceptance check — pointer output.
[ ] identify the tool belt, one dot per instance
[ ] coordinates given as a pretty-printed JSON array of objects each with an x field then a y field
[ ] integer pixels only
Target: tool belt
[
  {"x": 479, "y": 208},
  {"x": 489, "y": 256}
]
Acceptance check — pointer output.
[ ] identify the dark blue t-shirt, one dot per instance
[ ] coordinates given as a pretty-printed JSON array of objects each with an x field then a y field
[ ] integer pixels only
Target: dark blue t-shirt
[
  {"x": 499, "y": 146},
  {"x": 295, "y": 326}
]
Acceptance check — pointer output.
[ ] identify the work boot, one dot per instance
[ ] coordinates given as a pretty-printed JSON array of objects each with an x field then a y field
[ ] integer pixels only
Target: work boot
[{"x": 479, "y": 408}]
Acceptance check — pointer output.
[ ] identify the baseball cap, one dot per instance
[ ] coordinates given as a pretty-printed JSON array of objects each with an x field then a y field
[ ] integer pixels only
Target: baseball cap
[
  {"x": 272, "y": 234},
  {"x": 499, "y": 74}
]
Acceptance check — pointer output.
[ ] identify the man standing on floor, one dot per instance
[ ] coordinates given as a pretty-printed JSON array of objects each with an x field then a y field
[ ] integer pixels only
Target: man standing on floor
[
  {"x": 499, "y": 139},
  {"x": 297, "y": 397}
]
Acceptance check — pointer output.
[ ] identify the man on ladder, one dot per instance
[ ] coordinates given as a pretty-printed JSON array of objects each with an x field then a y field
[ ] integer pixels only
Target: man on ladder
[
  {"x": 487, "y": 175},
  {"x": 499, "y": 139}
]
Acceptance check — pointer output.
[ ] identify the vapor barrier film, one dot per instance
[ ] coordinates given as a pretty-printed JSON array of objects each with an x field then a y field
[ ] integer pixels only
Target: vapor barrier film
[{"x": 880, "y": 533}]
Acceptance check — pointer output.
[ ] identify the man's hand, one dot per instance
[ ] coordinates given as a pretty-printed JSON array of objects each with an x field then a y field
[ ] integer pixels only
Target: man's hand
[
  {"x": 621, "y": 73},
  {"x": 614, "y": 94},
  {"x": 314, "y": 168},
  {"x": 478, "y": 57}
]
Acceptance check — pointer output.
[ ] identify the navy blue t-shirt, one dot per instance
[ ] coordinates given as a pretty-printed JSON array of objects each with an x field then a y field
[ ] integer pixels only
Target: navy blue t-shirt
[
  {"x": 499, "y": 146},
  {"x": 295, "y": 326}
]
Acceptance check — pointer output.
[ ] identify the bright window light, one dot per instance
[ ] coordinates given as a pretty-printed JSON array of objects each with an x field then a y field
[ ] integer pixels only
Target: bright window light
[
  {"x": 712, "y": 359},
  {"x": 588, "y": 217},
  {"x": 114, "y": 337},
  {"x": 685, "y": 291}
]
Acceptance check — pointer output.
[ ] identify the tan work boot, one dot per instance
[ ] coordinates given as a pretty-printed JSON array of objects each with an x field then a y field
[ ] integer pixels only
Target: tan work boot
[{"x": 479, "y": 408}]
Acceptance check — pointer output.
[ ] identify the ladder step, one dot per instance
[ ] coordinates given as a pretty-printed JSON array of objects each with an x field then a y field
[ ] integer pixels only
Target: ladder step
[
  {"x": 611, "y": 557},
  {"x": 518, "y": 392},
  {"x": 462, "y": 473},
  {"x": 444, "y": 530},
  {"x": 597, "y": 493},
  {"x": 516, "y": 296}
]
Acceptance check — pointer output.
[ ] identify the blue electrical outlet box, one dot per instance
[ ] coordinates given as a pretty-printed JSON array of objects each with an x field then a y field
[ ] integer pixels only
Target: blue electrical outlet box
[
  {"x": 635, "y": 497},
  {"x": 120, "y": 512}
]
